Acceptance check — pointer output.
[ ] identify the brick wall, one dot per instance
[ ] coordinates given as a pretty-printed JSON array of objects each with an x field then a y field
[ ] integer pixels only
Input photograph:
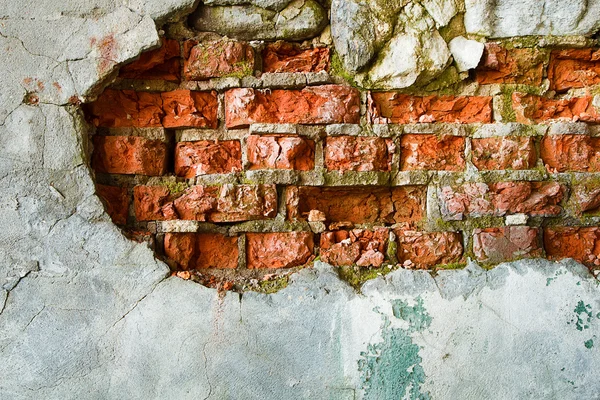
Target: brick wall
[{"x": 239, "y": 160}]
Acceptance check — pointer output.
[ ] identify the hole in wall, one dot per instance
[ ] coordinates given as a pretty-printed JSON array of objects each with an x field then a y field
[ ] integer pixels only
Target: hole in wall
[{"x": 242, "y": 161}]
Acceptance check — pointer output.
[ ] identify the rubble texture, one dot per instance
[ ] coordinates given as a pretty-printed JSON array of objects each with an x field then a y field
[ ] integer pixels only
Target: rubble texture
[{"x": 352, "y": 240}]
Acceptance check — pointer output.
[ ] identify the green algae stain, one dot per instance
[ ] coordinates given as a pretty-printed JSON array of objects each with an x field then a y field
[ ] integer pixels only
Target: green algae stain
[
  {"x": 416, "y": 315},
  {"x": 584, "y": 316},
  {"x": 589, "y": 343},
  {"x": 391, "y": 369}
]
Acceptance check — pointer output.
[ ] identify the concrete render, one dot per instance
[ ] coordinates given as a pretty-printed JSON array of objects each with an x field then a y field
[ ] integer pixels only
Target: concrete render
[{"x": 88, "y": 314}]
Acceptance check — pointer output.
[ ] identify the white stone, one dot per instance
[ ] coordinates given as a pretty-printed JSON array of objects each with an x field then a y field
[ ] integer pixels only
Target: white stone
[
  {"x": 442, "y": 11},
  {"x": 467, "y": 53},
  {"x": 506, "y": 18},
  {"x": 516, "y": 219}
]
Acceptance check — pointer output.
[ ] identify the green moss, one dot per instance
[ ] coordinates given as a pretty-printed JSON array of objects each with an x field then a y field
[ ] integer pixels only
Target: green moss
[
  {"x": 273, "y": 285},
  {"x": 455, "y": 27},
  {"x": 456, "y": 265},
  {"x": 174, "y": 187},
  {"x": 392, "y": 251},
  {"x": 337, "y": 69},
  {"x": 356, "y": 276}
]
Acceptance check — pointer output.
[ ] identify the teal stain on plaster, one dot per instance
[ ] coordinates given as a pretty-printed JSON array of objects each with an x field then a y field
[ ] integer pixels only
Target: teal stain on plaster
[
  {"x": 583, "y": 314},
  {"x": 391, "y": 369},
  {"x": 589, "y": 343}
]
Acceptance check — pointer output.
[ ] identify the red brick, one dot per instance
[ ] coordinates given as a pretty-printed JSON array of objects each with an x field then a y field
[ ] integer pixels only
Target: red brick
[
  {"x": 184, "y": 108},
  {"x": 358, "y": 246},
  {"x": 562, "y": 153},
  {"x": 226, "y": 203},
  {"x": 396, "y": 108},
  {"x": 587, "y": 197},
  {"x": 116, "y": 201},
  {"x": 480, "y": 199},
  {"x": 495, "y": 245},
  {"x": 357, "y": 204},
  {"x": 280, "y": 152},
  {"x": 207, "y": 157},
  {"x": 278, "y": 250},
  {"x": 129, "y": 155},
  {"x": 176, "y": 109},
  {"x": 291, "y": 57},
  {"x": 217, "y": 59},
  {"x": 352, "y": 153},
  {"x": 202, "y": 250},
  {"x": 502, "y": 65},
  {"x": 579, "y": 243},
  {"x": 160, "y": 64},
  {"x": 506, "y": 152},
  {"x": 428, "y": 249},
  {"x": 327, "y": 104},
  {"x": 574, "y": 68},
  {"x": 531, "y": 109},
  {"x": 432, "y": 152}
]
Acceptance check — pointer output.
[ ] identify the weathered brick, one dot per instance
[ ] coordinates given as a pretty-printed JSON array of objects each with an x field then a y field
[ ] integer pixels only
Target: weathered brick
[
  {"x": 446, "y": 153},
  {"x": 574, "y": 68},
  {"x": 586, "y": 196},
  {"x": 291, "y": 57},
  {"x": 160, "y": 64},
  {"x": 428, "y": 249},
  {"x": 531, "y": 109},
  {"x": 495, "y": 245},
  {"x": 498, "y": 199},
  {"x": 280, "y": 152},
  {"x": 502, "y": 65},
  {"x": 226, "y": 203},
  {"x": 355, "y": 153},
  {"x": 278, "y": 250},
  {"x": 202, "y": 250},
  {"x": 176, "y": 109},
  {"x": 358, "y": 246},
  {"x": 129, "y": 155},
  {"x": 580, "y": 243},
  {"x": 207, "y": 157},
  {"x": 505, "y": 152},
  {"x": 357, "y": 204},
  {"x": 116, "y": 201},
  {"x": 184, "y": 108},
  {"x": 562, "y": 153},
  {"x": 217, "y": 59},
  {"x": 327, "y": 104},
  {"x": 396, "y": 108}
]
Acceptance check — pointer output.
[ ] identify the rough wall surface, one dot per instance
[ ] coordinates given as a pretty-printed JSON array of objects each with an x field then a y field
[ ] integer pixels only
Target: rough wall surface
[{"x": 87, "y": 313}]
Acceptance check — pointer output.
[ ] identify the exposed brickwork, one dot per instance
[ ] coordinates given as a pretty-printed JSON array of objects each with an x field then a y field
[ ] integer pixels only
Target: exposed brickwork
[
  {"x": 358, "y": 246},
  {"x": 357, "y": 205},
  {"x": 160, "y": 64},
  {"x": 235, "y": 159},
  {"x": 508, "y": 243},
  {"x": 351, "y": 153},
  {"x": 129, "y": 155},
  {"x": 202, "y": 250},
  {"x": 396, "y": 108},
  {"x": 227, "y": 203},
  {"x": 205, "y": 157},
  {"x": 579, "y": 243},
  {"x": 290, "y": 57},
  {"x": 327, "y": 104},
  {"x": 480, "y": 199},
  {"x": 425, "y": 249},
  {"x": 176, "y": 109},
  {"x": 446, "y": 153},
  {"x": 116, "y": 200},
  {"x": 217, "y": 59},
  {"x": 278, "y": 250},
  {"x": 507, "y": 152},
  {"x": 562, "y": 153},
  {"x": 531, "y": 109},
  {"x": 574, "y": 68},
  {"x": 280, "y": 152},
  {"x": 502, "y": 65}
]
